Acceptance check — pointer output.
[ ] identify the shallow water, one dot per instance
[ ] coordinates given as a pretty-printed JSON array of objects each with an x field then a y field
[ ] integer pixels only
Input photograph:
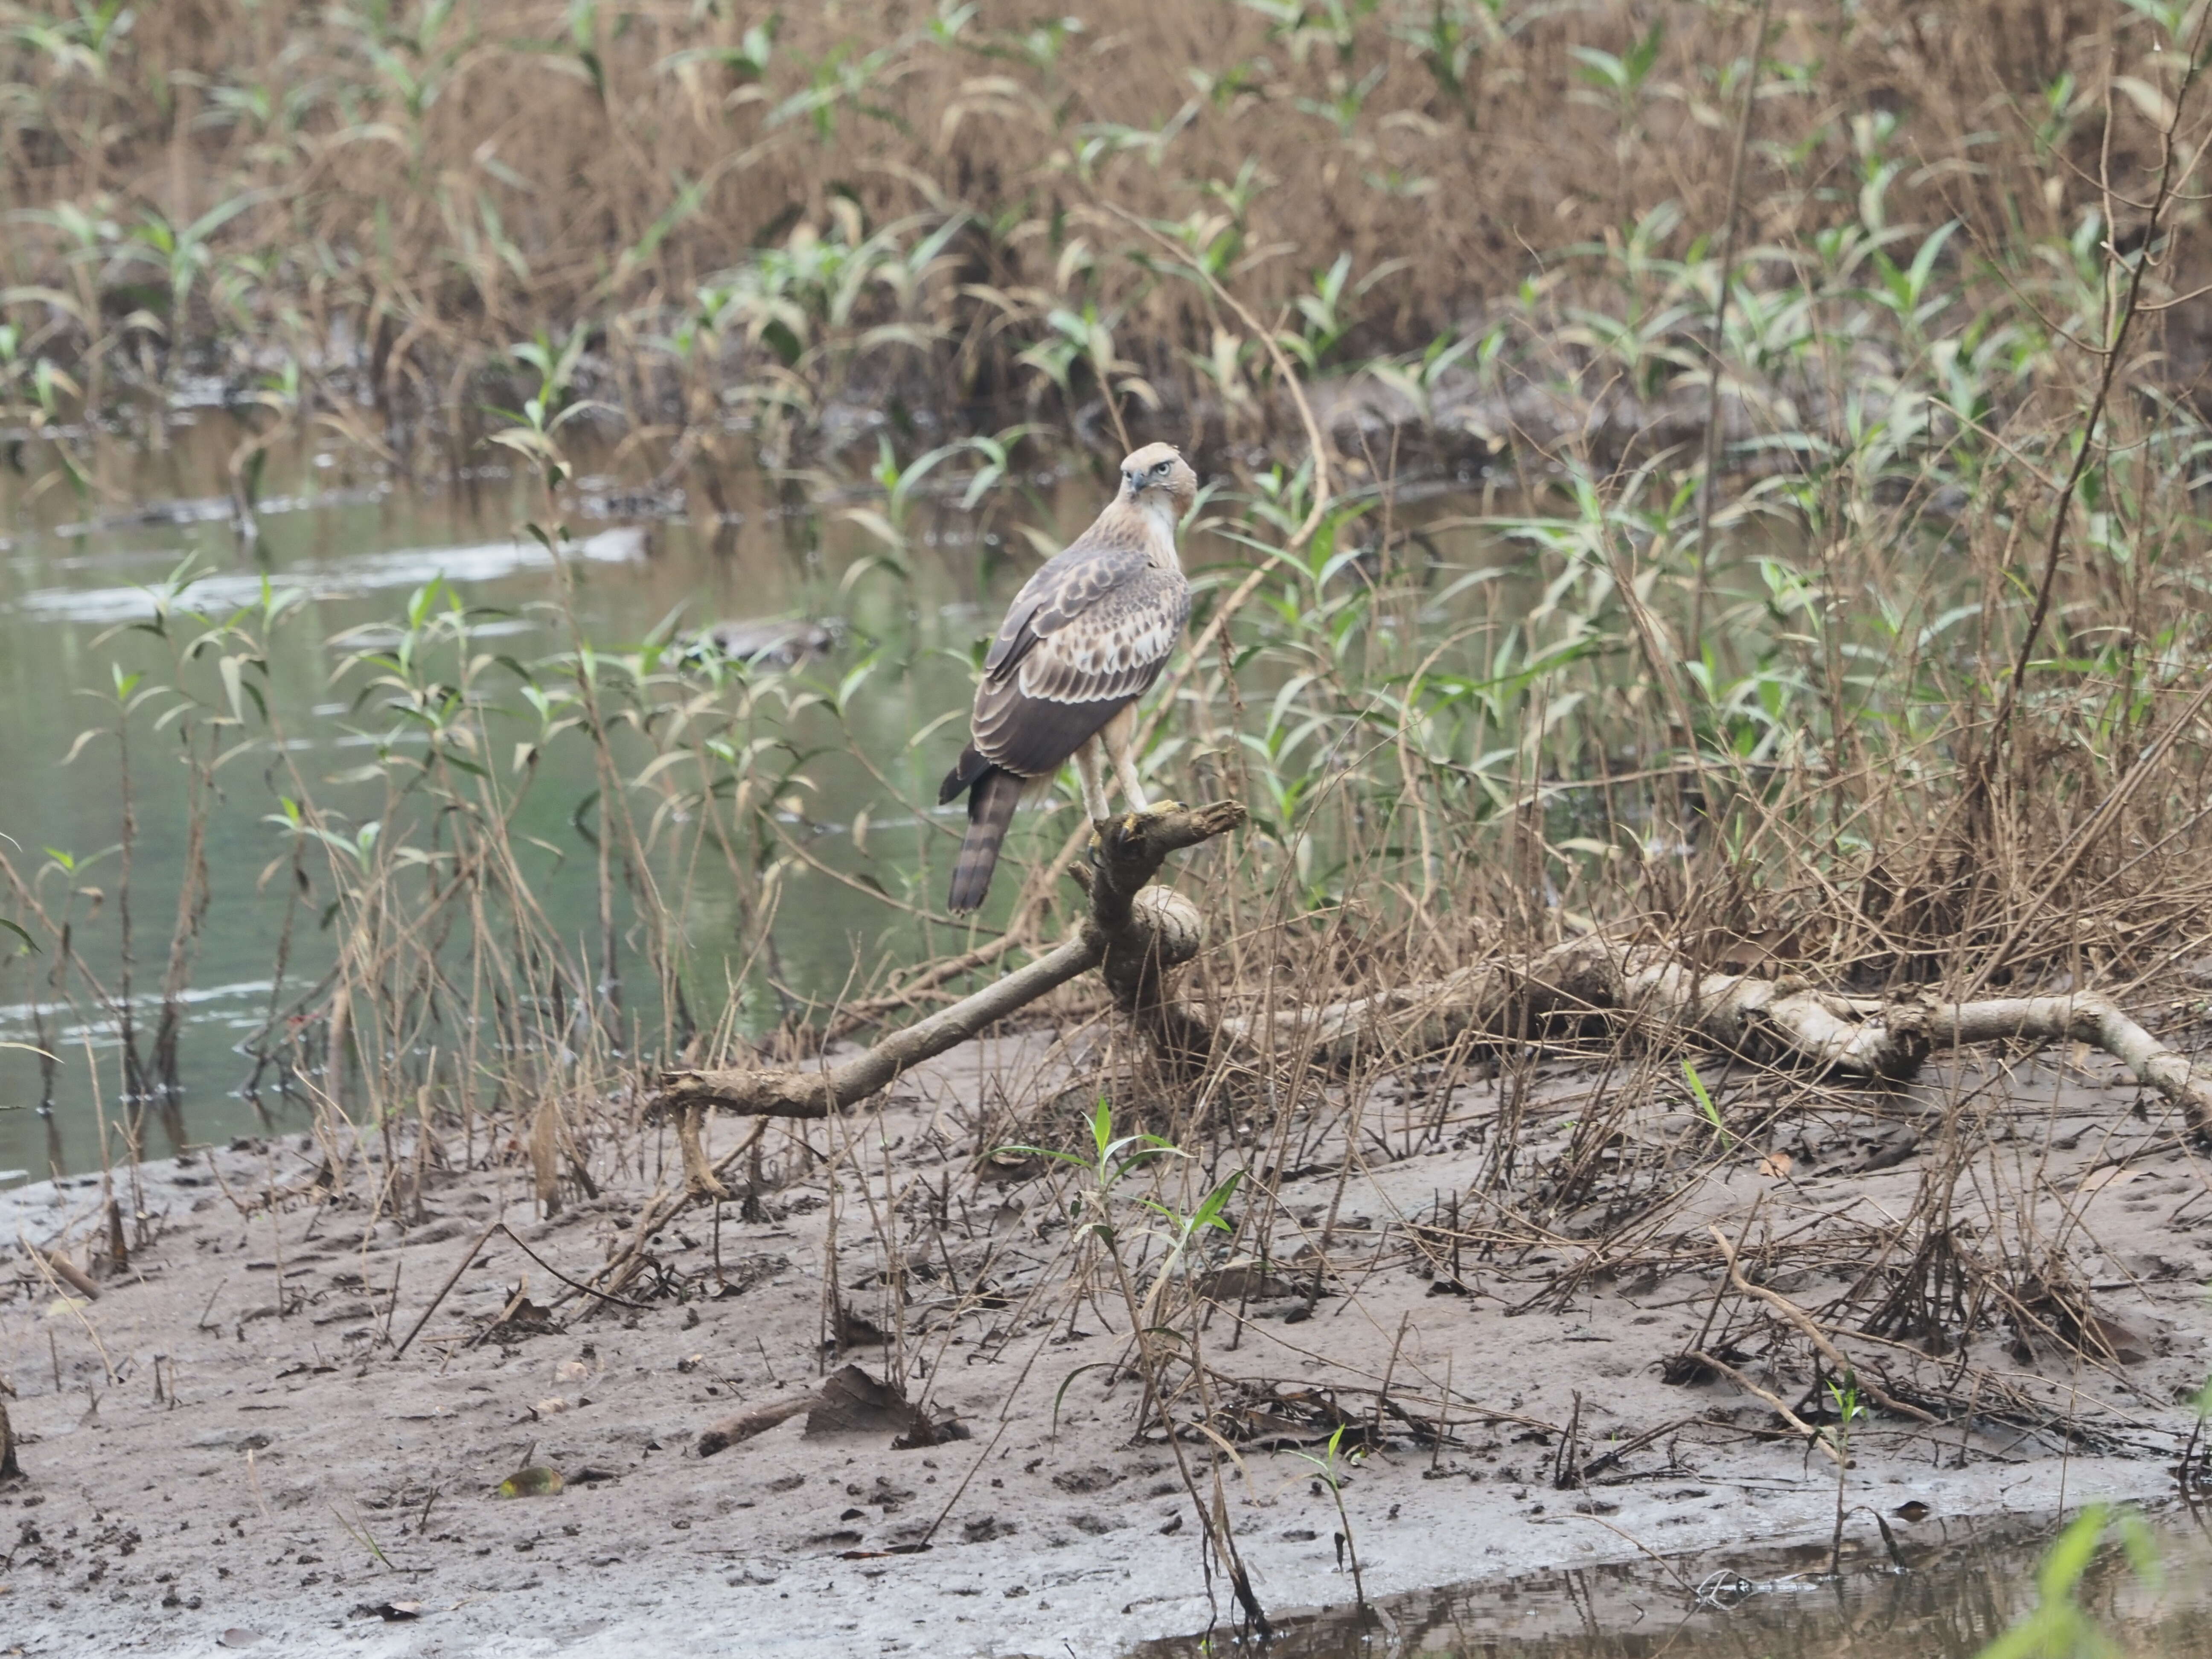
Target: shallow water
[
  {"x": 1963, "y": 1584},
  {"x": 75, "y": 567}
]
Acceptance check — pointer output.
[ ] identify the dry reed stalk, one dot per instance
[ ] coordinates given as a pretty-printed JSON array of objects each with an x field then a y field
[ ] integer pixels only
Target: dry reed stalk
[{"x": 498, "y": 185}]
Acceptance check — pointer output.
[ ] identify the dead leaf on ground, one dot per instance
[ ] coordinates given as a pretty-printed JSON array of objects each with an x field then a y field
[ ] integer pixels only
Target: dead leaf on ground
[
  {"x": 849, "y": 1401},
  {"x": 1775, "y": 1165},
  {"x": 539, "y": 1481},
  {"x": 1008, "y": 1167},
  {"x": 857, "y": 1330},
  {"x": 852, "y": 1402},
  {"x": 521, "y": 1317}
]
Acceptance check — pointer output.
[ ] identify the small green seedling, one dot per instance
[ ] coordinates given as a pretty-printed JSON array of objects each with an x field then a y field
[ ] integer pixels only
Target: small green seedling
[{"x": 1331, "y": 1474}]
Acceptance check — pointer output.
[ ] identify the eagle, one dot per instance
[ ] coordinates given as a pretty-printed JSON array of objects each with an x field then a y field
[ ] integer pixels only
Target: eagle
[{"x": 1085, "y": 637}]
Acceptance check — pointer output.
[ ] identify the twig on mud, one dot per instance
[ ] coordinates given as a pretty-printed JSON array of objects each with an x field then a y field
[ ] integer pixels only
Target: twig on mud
[
  {"x": 468, "y": 1257},
  {"x": 1613, "y": 1455},
  {"x": 1804, "y": 1321},
  {"x": 580, "y": 1287},
  {"x": 58, "y": 1264},
  {"x": 1781, "y": 1410},
  {"x": 49, "y": 1267},
  {"x": 658, "y": 1211}
]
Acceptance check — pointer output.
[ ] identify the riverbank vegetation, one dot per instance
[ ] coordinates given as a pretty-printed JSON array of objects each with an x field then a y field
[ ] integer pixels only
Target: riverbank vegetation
[{"x": 1824, "y": 384}]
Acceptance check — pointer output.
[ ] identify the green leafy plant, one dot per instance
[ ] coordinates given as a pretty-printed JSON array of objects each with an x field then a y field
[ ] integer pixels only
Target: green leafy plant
[
  {"x": 1328, "y": 1469},
  {"x": 2058, "y": 1627}
]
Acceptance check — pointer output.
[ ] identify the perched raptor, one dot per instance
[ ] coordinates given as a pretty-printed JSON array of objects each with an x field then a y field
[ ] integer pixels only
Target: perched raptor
[{"x": 1086, "y": 636}]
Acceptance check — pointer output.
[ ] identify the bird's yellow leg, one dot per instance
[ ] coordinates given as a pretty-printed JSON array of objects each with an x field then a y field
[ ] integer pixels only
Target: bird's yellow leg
[
  {"x": 1116, "y": 736},
  {"x": 1090, "y": 767}
]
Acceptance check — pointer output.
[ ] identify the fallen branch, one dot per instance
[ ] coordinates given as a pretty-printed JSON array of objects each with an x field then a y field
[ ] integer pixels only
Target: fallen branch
[
  {"x": 1666, "y": 998},
  {"x": 1132, "y": 936},
  {"x": 64, "y": 1269},
  {"x": 733, "y": 1431},
  {"x": 469, "y": 1259},
  {"x": 1774, "y": 1401}
]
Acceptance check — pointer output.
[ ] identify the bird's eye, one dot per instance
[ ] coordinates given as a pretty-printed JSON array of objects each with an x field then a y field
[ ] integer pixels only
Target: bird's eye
[{"x": 1160, "y": 470}]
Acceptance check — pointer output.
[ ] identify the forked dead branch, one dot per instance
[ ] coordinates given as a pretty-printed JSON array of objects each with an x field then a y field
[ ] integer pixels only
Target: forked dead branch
[
  {"x": 1134, "y": 934},
  {"x": 1657, "y": 995}
]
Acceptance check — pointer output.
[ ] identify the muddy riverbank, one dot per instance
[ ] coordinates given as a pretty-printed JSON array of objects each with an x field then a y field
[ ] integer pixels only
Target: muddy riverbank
[{"x": 227, "y": 1440}]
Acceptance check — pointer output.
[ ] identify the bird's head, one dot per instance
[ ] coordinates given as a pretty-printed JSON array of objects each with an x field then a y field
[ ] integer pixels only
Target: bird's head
[{"x": 1157, "y": 474}]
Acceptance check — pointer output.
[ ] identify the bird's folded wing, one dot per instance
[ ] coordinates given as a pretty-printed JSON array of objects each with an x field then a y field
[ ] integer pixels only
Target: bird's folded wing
[
  {"x": 1065, "y": 679},
  {"x": 1062, "y": 589}
]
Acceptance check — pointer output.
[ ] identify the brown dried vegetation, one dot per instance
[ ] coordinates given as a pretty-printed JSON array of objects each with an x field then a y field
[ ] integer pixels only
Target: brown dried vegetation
[{"x": 1900, "y": 710}]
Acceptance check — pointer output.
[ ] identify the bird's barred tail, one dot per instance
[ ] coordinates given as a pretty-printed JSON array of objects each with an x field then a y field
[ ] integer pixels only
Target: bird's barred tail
[{"x": 990, "y": 809}]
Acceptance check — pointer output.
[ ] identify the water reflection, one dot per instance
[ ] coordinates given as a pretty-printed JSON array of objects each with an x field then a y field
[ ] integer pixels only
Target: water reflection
[
  {"x": 1965, "y": 1583},
  {"x": 217, "y": 591}
]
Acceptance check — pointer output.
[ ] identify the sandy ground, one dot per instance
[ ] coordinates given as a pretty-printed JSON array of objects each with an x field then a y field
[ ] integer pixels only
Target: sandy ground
[{"x": 207, "y": 1452}]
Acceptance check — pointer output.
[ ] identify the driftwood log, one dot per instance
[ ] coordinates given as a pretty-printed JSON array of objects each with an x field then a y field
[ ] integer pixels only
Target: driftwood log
[
  {"x": 1660, "y": 996},
  {"x": 1134, "y": 934}
]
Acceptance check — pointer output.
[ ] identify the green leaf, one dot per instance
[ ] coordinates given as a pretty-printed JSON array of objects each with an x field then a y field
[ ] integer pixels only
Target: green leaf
[
  {"x": 2069, "y": 1557},
  {"x": 1209, "y": 1213},
  {"x": 1061, "y": 1393},
  {"x": 1705, "y": 1100}
]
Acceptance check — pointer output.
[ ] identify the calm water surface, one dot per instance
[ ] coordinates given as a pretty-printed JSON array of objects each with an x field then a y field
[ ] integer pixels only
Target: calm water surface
[
  {"x": 1965, "y": 1584},
  {"x": 75, "y": 567}
]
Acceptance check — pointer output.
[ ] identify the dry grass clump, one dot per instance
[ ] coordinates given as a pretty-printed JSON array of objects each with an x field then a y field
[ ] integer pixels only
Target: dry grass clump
[{"x": 741, "y": 207}]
